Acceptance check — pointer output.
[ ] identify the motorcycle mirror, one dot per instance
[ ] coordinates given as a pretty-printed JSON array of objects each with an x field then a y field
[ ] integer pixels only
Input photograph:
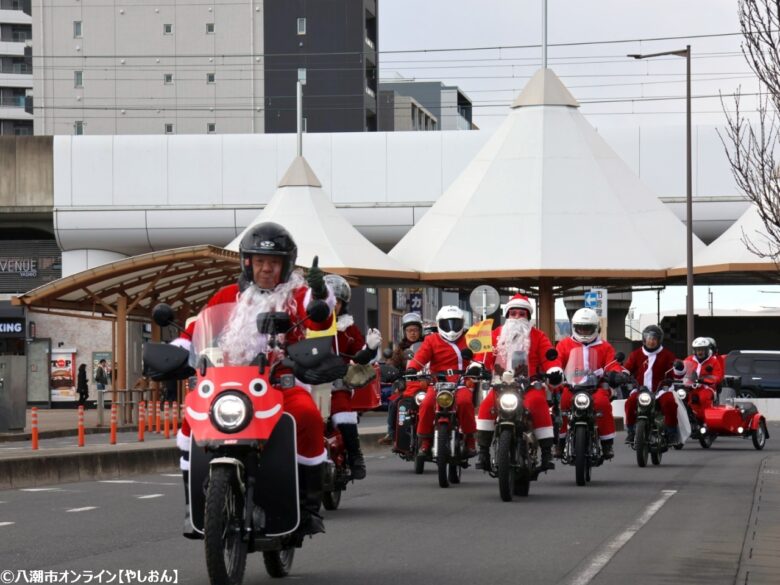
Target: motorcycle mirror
[
  {"x": 408, "y": 354},
  {"x": 679, "y": 365},
  {"x": 318, "y": 311},
  {"x": 162, "y": 314},
  {"x": 273, "y": 323},
  {"x": 552, "y": 354},
  {"x": 466, "y": 353},
  {"x": 620, "y": 357},
  {"x": 387, "y": 353}
]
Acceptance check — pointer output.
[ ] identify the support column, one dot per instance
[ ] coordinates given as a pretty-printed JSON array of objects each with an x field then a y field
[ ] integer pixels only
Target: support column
[
  {"x": 546, "y": 321},
  {"x": 385, "y": 298},
  {"x": 120, "y": 381},
  {"x": 156, "y": 336}
]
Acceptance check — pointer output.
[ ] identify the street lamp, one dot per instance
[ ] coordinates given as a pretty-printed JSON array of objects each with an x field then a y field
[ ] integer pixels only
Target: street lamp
[{"x": 686, "y": 52}]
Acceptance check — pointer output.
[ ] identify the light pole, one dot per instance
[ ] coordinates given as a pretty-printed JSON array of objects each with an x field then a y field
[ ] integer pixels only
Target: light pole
[{"x": 686, "y": 52}]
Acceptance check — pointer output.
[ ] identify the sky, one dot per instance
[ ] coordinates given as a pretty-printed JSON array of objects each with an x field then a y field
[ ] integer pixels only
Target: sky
[{"x": 413, "y": 36}]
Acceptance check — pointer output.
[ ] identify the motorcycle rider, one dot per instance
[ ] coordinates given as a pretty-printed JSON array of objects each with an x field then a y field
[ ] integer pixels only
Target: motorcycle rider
[
  {"x": 599, "y": 358},
  {"x": 349, "y": 342},
  {"x": 270, "y": 282},
  {"x": 648, "y": 365},
  {"x": 708, "y": 371},
  {"x": 412, "y": 325},
  {"x": 517, "y": 334},
  {"x": 442, "y": 352}
]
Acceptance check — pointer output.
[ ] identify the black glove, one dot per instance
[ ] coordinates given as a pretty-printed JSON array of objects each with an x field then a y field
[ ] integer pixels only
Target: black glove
[
  {"x": 316, "y": 280},
  {"x": 555, "y": 378},
  {"x": 330, "y": 369},
  {"x": 694, "y": 399},
  {"x": 612, "y": 379},
  {"x": 679, "y": 365},
  {"x": 410, "y": 372}
]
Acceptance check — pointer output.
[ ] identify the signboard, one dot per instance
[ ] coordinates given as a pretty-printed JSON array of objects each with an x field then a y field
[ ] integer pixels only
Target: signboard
[
  {"x": 400, "y": 299},
  {"x": 12, "y": 327},
  {"x": 596, "y": 299},
  {"x": 96, "y": 357},
  {"x": 62, "y": 379},
  {"x": 416, "y": 301}
]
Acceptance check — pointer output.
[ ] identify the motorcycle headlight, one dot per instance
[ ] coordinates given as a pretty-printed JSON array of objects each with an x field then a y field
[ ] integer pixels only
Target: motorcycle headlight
[
  {"x": 445, "y": 399},
  {"x": 703, "y": 430},
  {"x": 581, "y": 401},
  {"x": 230, "y": 413},
  {"x": 682, "y": 394},
  {"x": 508, "y": 401},
  {"x": 645, "y": 399},
  {"x": 418, "y": 398}
]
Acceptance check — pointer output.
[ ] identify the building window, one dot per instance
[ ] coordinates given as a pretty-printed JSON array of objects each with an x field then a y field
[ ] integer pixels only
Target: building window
[
  {"x": 301, "y": 26},
  {"x": 168, "y": 78},
  {"x": 210, "y": 77},
  {"x": 211, "y": 128},
  {"x": 167, "y": 29},
  {"x": 169, "y": 128},
  {"x": 302, "y": 75},
  {"x": 209, "y": 28},
  {"x": 78, "y": 127},
  {"x": 78, "y": 79},
  {"x": 305, "y": 127},
  {"x": 76, "y": 29}
]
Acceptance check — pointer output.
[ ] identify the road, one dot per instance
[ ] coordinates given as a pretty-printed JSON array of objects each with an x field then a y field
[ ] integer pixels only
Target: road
[{"x": 683, "y": 522}]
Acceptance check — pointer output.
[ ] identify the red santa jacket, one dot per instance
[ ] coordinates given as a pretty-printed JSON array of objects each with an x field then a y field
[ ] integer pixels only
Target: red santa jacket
[
  {"x": 637, "y": 363},
  {"x": 710, "y": 368},
  {"x": 442, "y": 355},
  {"x": 598, "y": 354},
  {"x": 537, "y": 353},
  {"x": 350, "y": 341}
]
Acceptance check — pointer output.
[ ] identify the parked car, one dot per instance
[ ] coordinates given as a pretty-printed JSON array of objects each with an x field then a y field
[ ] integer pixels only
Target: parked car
[{"x": 754, "y": 373}]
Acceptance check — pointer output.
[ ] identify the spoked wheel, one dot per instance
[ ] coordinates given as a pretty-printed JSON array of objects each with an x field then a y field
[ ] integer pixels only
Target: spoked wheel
[
  {"x": 640, "y": 443},
  {"x": 225, "y": 549},
  {"x": 581, "y": 467},
  {"x": 759, "y": 436},
  {"x": 706, "y": 441},
  {"x": 278, "y": 563},
  {"x": 506, "y": 473},
  {"x": 443, "y": 456},
  {"x": 331, "y": 500}
]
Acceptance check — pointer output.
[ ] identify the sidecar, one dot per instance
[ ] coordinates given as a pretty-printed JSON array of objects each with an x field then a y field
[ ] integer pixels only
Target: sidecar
[{"x": 733, "y": 418}]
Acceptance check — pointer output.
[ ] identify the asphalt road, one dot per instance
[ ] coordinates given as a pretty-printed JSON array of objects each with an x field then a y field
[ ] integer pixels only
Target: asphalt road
[{"x": 683, "y": 522}]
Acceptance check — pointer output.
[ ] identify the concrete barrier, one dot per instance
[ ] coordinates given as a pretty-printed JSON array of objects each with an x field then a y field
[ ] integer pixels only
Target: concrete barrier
[{"x": 769, "y": 407}]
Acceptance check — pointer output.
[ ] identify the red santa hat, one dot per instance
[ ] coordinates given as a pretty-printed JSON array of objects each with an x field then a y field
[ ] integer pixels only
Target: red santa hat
[{"x": 519, "y": 302}]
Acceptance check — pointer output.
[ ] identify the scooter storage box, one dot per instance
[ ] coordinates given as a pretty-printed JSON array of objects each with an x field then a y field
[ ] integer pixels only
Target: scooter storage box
[
  {"x": 404, "y": 422},
  {"x": 368, "y": 397},
  {"x": 724, "y": 419}
]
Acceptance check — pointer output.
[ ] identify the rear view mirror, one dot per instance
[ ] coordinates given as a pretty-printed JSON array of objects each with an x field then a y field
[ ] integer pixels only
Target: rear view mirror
[
  {"x": 552, "y": 354},
  {"x": 387, "y": 353},
  {"x": 273, "y": 323},
  {"x": 620, "y": 357},
  {"x": 162, "y": 314},
  {"x": 318, "y": 311}
]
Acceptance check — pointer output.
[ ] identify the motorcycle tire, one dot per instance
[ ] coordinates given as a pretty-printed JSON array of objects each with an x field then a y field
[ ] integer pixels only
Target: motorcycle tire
[
  {"x": 443, "y": 455},
  {"x": 331, "y": 500},
  {"x": 655, "y": 456},
  {"x": 453, "y": 473},
  {"x": 759, "y": 436},
  {"x": 640, "y": 443},
  {"x": 278, "y": 563},
  {"x": 581, "y": 455},
  {"x": 506, "y": 475},
  {"x": 522, "y": 483},
  {"x": 706, "y": 441},
  {"x": 679, "y": 446},
  {"x": 225, "y": 549}
]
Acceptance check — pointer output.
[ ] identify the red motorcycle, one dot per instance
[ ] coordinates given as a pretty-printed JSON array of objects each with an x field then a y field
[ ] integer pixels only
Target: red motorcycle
[
  {"x": 243, "y": 479},
  {"x": 730, "y": 418}
]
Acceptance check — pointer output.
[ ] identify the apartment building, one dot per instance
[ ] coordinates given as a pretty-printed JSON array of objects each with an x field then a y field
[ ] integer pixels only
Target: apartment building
[
  {"x": 16, "y": 76},
  {"x": 448, "y": 104}
]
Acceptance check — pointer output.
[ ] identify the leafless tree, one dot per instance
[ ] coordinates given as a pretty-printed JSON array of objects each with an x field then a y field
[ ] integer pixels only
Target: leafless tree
[{"x": 751, "y": 143}]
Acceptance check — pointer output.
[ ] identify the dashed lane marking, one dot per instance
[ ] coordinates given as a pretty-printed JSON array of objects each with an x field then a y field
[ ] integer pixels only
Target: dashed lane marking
[
  {"x": 84, "y": 509},
  {"x": 150, "y": 496},
  {"x": 6, "y": 523},
  {"x": 46, "y": 489}
]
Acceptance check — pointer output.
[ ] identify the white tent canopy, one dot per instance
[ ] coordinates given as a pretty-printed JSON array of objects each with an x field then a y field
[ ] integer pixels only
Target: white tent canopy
[
  {"x": 304, "y": 209},
  {"x": 546, "y": 196}
]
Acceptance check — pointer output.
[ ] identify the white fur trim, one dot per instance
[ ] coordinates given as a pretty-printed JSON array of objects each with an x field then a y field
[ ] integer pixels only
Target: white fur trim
[
  {"x": 181, "y": 342},
  {"x": 554, "y": 369},
  {"x": 184, "y": 464},
  {"x": 183, "y": 441},
  {"x": 544, "y": 433},
  {"x": 311, "y": 461},
  {"x": 344, "y": 418},
  {"x": 486, "y": 424},
  {"x": 609, "y": 436}
]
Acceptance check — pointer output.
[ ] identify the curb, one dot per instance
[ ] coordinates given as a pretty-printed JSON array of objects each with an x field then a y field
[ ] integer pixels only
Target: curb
[{"x": 56, "y": 434}]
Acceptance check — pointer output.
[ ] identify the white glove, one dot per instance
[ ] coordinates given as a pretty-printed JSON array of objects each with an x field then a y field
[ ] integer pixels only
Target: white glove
[{"x": 373, "y": 338}]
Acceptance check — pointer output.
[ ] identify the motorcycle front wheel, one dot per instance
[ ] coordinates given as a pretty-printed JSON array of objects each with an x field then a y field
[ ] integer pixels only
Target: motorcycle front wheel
[
  {"x": 278, "y": 563},
  {"x": 225, "y": 548},
  {"x": 759, "y": 436},
  {"x": 506, "y": 475},
  {"x": 331, "y": 500},
  {"x": 640, "y": 443},
  {"x": 581, "y": 454},
  {"x": 443, "y": 455}
]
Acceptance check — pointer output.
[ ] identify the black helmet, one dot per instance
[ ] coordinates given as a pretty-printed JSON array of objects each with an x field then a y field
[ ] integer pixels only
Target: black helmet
[
  {"x": 271, "y": 239},
  {"x": 652, "y": 331}
]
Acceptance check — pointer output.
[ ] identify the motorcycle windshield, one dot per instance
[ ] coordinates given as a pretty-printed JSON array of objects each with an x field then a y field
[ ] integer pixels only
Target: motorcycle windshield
[
  {"x": 580, "y": 365},
  {"x": 208, "y": 338}
]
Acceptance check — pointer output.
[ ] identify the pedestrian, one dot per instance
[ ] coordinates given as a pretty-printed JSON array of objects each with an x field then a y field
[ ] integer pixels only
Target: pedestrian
[
  {"x": 101, "y": 377},
  {"x": 170, "y": 389},
  {"x": 81, "y": 385}
]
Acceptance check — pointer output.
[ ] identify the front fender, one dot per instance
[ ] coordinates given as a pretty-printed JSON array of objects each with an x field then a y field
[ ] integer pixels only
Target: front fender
[{"x": 230, "y": 462}]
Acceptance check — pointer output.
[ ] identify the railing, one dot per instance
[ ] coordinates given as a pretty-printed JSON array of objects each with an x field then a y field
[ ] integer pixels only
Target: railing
[
  {"x": 370, "y": 43},
  {"x": 12, "y": 101}
]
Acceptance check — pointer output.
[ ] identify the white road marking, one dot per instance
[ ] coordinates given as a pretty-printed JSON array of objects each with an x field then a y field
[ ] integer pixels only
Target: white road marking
[
  {"x": 603, "y": 556},
  {"x": 117, "y": 481},
  {"x": 49, "y": 489},
  {"x": 84, "y": 509},
  {"x": 150, "y": 496},
  {"x": 171, "y": 474},
  {"x": 6, "y": 523}
]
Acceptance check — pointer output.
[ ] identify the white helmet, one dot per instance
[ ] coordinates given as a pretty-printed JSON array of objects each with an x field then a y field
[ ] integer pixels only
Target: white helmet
[
  {"x": 702, "y": 343},
  {"x": 519, "y": 302},
  {"x": 450, "y": 322},
  {"x": 585, "y": 325},
  {"x": 411, "y": 319},
  {"x": 340, "y": 287}
]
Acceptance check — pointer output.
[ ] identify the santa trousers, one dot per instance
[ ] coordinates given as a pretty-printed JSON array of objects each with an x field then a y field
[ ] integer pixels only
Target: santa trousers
[
  {"x": 602, "y": 406},
  {"x": 463, "y": 405},
  {"x": 534, "y": 401},
  {"x": 666, "y": 401}
]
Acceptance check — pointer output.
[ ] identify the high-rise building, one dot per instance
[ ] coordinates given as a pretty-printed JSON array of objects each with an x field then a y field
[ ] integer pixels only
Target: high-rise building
[
  {"x": 448, "y": 104},
  {"x": 333, "y": 46},
  {"x": 16, "y": 77}
]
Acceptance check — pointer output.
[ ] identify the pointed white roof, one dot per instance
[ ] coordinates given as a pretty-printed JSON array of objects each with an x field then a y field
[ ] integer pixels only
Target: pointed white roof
[
  {"x": 546, "y": 196},
  {"x": 305, "y": 210}
]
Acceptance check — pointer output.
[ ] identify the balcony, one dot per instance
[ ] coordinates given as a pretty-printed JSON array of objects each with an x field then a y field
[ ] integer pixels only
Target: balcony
[
  {"x": 11, "y": 49},
  {"x": 14, "y": 113},
  {"x": 15, "y": 17},
  {"x": 24, "y": 80}
]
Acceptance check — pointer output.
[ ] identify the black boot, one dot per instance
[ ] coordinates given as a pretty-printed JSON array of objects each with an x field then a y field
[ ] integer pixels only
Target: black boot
[
  {"x": 606, "y": 449},
  {"x": 545, "y": 446},
  {"x": 187, "y": 530},
  {"x": 560, "y": 447},
  {"x": 630, "y": 434},
  {"x": 484, "y": 439},
  {"x": 310, "y": 491},
  {"x": 355, "y": 460}
]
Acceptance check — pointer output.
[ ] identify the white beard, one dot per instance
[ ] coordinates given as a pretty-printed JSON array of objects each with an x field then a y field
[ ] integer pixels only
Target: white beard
[
  {"x": 515, "y": 336},
  {"x": 241, "y": 342},
  {"x": 343, "y": 322}
]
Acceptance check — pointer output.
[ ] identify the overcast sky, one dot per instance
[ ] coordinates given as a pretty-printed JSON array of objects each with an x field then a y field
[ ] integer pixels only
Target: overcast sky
[{"x": 598, "y": 71}]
